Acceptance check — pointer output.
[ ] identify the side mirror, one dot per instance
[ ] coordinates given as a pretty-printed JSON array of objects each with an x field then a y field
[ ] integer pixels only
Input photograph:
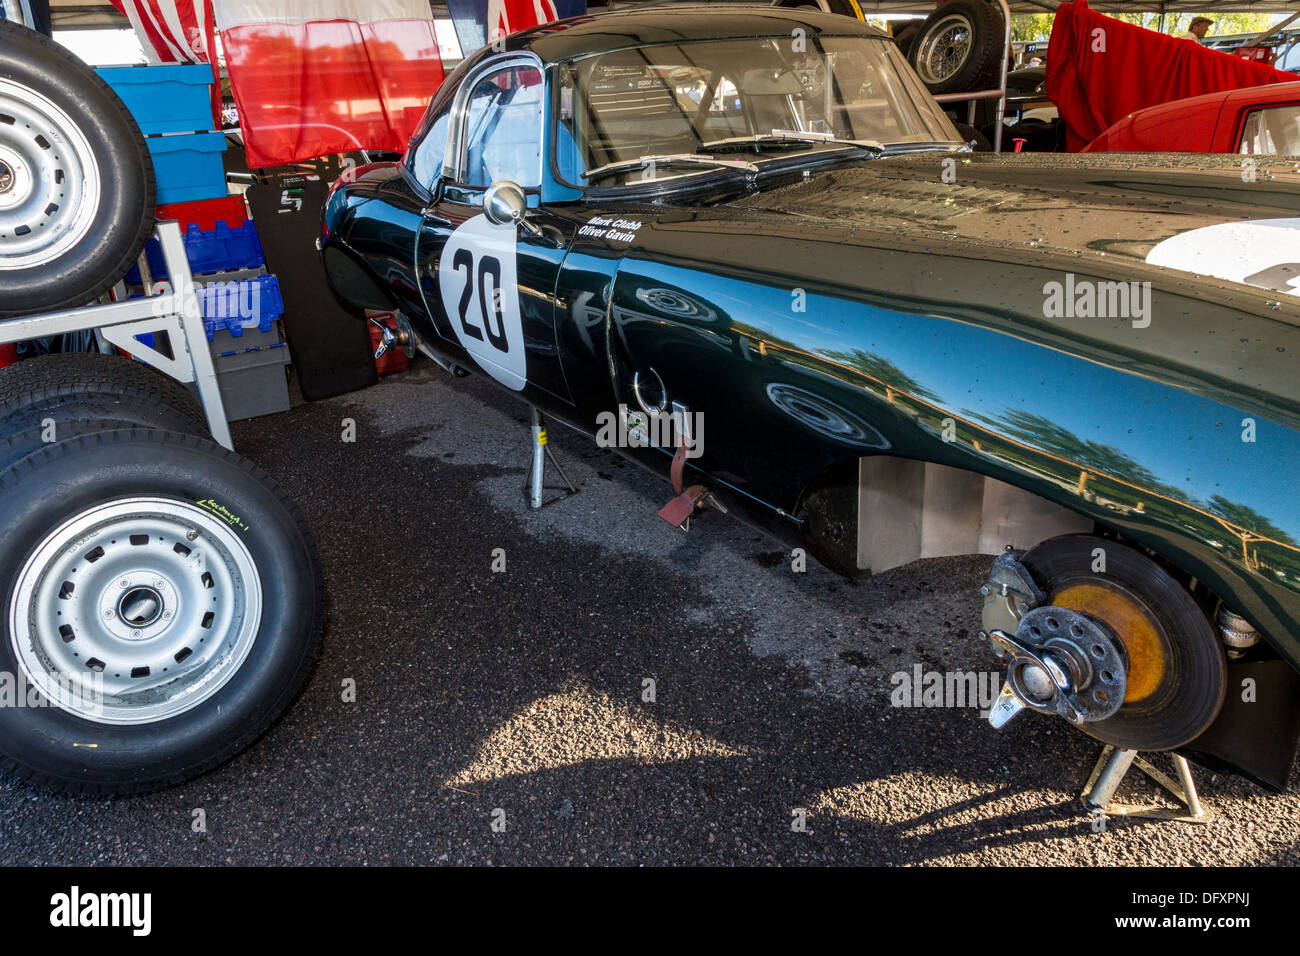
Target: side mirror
[{"x": 504, "y": 204}]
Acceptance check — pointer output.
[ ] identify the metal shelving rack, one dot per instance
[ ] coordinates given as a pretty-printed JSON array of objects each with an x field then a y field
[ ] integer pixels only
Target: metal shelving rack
[
  {"x": 999, "y": 93},
  {"x": 175, "y": 313}
]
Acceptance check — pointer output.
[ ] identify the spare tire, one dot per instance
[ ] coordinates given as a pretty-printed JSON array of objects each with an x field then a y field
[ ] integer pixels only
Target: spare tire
[
  {"x": 63, "y": 388},
  {"x": 160, "y": 601},
  {"x": 960, "y": 47},
  {"x": 76, "y": 181}
]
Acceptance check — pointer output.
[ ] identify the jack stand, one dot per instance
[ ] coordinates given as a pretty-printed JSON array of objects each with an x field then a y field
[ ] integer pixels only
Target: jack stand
[
  {"x": 537, "y": 469},
  {"x": 1111, "y": 767}
]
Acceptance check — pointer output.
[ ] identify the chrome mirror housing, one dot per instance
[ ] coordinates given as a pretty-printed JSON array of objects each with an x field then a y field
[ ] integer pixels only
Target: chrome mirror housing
[{"x": 504, "y": 204}]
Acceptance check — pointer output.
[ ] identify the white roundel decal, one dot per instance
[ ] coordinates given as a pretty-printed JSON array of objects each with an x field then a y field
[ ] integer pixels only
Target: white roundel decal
[
  {"x": 1264, "y": 253},
  {"x": 477, "y": 280}
]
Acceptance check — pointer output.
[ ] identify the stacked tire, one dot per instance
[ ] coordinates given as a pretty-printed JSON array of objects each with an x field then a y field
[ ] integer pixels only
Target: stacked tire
[
  {"x": 160, "y": 596},
  {"x": 959, "y": 47}
]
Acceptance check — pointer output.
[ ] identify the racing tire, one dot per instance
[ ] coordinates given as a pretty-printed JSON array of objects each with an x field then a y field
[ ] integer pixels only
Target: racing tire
[
  {"x": 65, "y": 387},
  {"x": 160, "y": 607},
  {"x": 959, "y": 47},
  {"x": 77, "y": 186}
]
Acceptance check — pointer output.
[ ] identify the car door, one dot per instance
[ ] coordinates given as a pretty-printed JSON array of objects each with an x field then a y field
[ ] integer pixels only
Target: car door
[{"x": 490, "y": 289}]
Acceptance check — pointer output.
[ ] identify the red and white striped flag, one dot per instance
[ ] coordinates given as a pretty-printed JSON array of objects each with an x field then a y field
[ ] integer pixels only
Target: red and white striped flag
[
  {"x": 511, "y": 16},
  {"x": 318, "y": 77},
  {"x": 171, "y": 31}
]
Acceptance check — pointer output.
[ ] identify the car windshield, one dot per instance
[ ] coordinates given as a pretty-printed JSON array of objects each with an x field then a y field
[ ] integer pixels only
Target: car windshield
[{"x": 676, "y": 99}]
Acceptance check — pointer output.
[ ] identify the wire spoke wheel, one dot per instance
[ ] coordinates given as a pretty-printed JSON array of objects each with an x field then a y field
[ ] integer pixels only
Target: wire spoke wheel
[
  {"x": 136, "y": 610},
  {"x": 50, "y": 183},
  {"x": 944, "y": 49}
]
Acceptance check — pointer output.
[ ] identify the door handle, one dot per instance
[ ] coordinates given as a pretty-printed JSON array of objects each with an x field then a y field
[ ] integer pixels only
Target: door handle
[{"x": 640, "y": 399}]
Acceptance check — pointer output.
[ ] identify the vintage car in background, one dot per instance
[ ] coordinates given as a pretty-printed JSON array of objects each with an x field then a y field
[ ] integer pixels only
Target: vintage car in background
[
  {"x": 900, "y": 349},
  {"x": 1256, "y": 121}
]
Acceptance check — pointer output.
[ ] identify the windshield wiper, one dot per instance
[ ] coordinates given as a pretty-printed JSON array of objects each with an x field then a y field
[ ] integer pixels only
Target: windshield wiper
[
  {"x": 788, "y": 137},
  {"x": 671, "y": 159}
]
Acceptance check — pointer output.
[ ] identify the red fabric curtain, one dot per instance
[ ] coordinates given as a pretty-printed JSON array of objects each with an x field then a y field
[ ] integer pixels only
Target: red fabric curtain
[
  {"x": 309, "y": 87},
  {"x": 1100, "y": 69}
]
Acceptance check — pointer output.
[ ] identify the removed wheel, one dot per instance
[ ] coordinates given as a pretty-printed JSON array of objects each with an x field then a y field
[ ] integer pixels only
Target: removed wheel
[
  {"x": 76, "y": 181},
  {"x": 1137, "y": 633},
  {"x": 959, "y": 47},
  {"x": 63, "y": 388},
  {"x": 161, "y": 595}
]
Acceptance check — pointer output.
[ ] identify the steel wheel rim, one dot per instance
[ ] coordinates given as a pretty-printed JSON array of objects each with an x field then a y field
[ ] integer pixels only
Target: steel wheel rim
[
  {"x": 944, "y": 49},
  {"x": 50, "y": 186},
  {"x": 136, "y": 611}
]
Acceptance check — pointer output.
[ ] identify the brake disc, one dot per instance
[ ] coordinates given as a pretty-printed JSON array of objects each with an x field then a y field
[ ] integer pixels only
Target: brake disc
[{"x": 1174, "y": 673}]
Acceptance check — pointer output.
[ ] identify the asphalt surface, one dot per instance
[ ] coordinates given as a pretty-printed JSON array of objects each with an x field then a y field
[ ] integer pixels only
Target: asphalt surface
[{"x": 518, "y": 697}]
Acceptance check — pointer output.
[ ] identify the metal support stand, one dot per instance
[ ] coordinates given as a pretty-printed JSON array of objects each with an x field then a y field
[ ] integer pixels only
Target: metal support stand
[
  {"x": 175, "y": 313},
  {"x": 1111, "y": 767},
  {"x": 535, "y": 485}
]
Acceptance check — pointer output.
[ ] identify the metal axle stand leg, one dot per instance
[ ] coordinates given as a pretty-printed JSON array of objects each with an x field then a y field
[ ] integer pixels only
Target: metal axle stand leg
[
  {"x": 537, "y": 468},
  {"x": 1111, "y": 767}
]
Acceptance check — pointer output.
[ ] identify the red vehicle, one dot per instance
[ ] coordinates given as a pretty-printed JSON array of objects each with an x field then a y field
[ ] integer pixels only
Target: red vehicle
[{"x": 1255, "y": 121}]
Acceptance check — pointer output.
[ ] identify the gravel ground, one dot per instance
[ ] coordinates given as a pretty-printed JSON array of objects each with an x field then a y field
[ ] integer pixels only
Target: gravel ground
[{"x": 519, "y": 698}]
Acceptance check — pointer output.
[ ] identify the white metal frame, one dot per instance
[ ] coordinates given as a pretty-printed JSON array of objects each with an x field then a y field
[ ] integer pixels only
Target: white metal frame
[{"x": 175, "y": 312}]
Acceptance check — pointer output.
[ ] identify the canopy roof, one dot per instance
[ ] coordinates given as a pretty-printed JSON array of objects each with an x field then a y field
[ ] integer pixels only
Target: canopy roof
[{"x": 101, "y": 14}]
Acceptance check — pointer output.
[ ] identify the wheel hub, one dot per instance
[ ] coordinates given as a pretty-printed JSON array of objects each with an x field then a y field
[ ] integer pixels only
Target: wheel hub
[
  {"x": 139, "y": 605},
  {"x": 1061, "y": 662},
  {"x": 6, "y": 177}
]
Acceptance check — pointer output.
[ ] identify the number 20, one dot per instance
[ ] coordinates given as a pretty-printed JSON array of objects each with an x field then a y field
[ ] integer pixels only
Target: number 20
[{"x": 489, "y": 268}]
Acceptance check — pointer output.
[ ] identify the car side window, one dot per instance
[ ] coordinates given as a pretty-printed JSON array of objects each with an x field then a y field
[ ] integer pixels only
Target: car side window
[
  {"x": 503, "y": 128},
  {"x": 431, "y": 151},
  {"x": 1271, "y": 132}
]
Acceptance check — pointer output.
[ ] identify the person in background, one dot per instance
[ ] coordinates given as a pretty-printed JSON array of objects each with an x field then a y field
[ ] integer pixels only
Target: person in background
[{"x": 1197, "y": 29}]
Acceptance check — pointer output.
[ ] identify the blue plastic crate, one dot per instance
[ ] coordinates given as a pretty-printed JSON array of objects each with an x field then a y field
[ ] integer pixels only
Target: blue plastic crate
[
  {"x": 235, "y": 306},
  {"x": 188, "y": 167},
  {"x": 165, "y": 99},
  {"x": 221, "y": 250}
]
